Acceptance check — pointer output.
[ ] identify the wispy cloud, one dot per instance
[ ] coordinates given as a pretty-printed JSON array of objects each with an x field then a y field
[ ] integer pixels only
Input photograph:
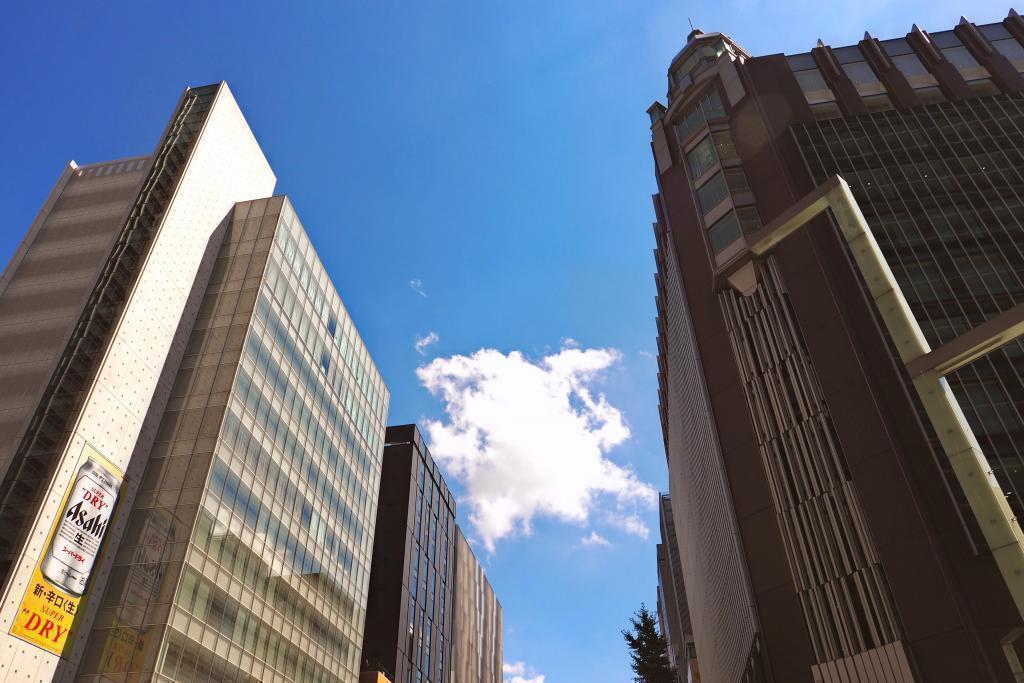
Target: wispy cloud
[
  {"x": 528, "y": 438},
  {"x": 416, "y": 285},
  {"x": 595, "y": 539},
  {"x": 423, "y": 342},
  {"x": 630, "y": 523},
  {"x": 516, "y": 672}
]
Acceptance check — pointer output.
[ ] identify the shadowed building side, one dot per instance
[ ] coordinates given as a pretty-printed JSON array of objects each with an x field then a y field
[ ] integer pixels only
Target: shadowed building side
[
  {"x": 409, "y": 616},
  {"x": 865, "y": 561}
]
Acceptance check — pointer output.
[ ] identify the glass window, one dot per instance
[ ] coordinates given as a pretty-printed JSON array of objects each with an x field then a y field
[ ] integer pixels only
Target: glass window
[
  {"x": 864, "y": 78},
  {"x": 848, "y": 55},
  {"x": 724, "y": 145},
  {"x": 708, "y": 107},
  {"x": 711, "y": 193},
  {"x": 814, "y": 86},
  {"x": 945, "y": 39},
  {"x": 896, "y": 47},
  {"x": 994, "y": 31},
  {"x": 931, "y": 95},
  {"x": 691, "y": 122},
  {"x": 681, "y": 75},
  {"x": 1012, "y": 50},
  {"x": 682, "y": 80},
  {"x": 712, "y": 106},
  {"x": 724, "y": 232},
  {"x": 878, "y": 102},
  {"x": 750, "y": 221},
  {"x": 702, "y": 157},
  {"x": 914, "y": 71},
  {"x": 736, "y": 179},
  {"x": 965, "y": 62},
  {"x": 801, "y": 62}
]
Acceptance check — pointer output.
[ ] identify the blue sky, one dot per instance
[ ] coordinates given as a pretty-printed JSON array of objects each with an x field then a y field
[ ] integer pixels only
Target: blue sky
[{"x": 475, "y": 170}]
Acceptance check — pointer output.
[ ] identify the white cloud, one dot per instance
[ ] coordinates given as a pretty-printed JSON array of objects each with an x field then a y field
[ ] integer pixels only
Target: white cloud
[
  {"x": 595, "y": 539},
  {"x": 416, "y": 285},
  {"x": 630, "y": 523},
  {"x": 570, "y": 343},
  {"x": 530, "y": 438},
  {"x": 516, "y": 673},
  {"x": 423, "y": 342}
]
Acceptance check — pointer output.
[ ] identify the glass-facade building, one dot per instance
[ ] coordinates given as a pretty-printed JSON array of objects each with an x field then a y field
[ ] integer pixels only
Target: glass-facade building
[
  {"x": 823, "y": 535},
  {"x": 942, "y": 186},
  {"x": 432, "y": 615},
  {"x": 195, "y": 343},
  {"x": 276, "y": 380}
]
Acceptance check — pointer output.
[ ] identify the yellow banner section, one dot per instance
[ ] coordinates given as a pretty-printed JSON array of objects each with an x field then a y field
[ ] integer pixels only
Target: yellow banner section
[
  {"x": 46, "y": 615},
  {"x": 53, "y": 599}
]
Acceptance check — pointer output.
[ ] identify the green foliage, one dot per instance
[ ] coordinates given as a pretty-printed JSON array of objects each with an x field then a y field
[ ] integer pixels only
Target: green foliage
[{"x": 648, "y": 649}]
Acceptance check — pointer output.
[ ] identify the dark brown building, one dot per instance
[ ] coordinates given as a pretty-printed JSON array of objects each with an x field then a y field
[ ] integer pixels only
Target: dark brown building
[
  {"x": 408, "y": 631},
  {"x": 823, "y": 536},
  {"x": 432, "y": 616}
]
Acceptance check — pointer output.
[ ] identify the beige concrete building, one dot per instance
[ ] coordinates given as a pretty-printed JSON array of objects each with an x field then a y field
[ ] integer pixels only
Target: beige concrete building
[{"x": 477, "y": 631}]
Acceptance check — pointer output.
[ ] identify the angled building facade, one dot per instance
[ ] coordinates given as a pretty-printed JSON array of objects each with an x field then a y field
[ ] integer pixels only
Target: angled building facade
[
  {"x": 477, "y": 628},
  {"x": 432, "y": 616},
  {"x": 673, "y": 612},
  {"x": 860, "y": 557},
  {"x": 191, "y": 468},
  {"x": 412, "y": 582}
]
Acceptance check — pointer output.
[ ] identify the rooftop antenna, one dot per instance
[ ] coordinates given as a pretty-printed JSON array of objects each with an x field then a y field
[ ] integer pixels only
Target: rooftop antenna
[{"x": 691, "y": 22}]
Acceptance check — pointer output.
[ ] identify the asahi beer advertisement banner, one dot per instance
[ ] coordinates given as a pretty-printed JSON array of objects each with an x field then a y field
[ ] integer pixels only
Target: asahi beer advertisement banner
[{"x": 54, "y": 595}]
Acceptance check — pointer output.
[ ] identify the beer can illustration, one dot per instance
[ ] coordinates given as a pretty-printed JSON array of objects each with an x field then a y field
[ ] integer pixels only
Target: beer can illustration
[{"x": 81, "y": 527}]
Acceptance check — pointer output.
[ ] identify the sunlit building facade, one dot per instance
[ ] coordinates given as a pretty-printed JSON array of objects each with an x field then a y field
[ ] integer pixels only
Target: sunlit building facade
[
  {"x": 477, "y": 635},
  {"x": 216, "y": 387},
  {"x": 823, "y": 534}
]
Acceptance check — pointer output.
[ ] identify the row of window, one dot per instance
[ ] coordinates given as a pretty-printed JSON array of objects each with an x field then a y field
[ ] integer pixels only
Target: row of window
[
  {"x": 277, "y": 330},
  {"x": 251, "y": 454},
  {"x": 960, "y": 144},
  {"x": 432, "y": 500},
  {"x": 354, "y": 351},
  {"x": 682, "y": 75},
  {"x": 729, "y": 181},
  {"x": 290, "y": 443},
  {"x": 905, "y": 59},
  {"x": 273, "y": 596},
  {"x": 949, "y": 219},
  {"x": 282, "y": 292},
  {"x": 251, "y": 510},
  {"x": 222, "y": 613},
  {"x": 428, "y": 576},
  {"x": 291, "y": 398},
  {"x": 706, "y": 108},
  {"x": 743, "y": 220},
  {"x": 709, "y": 151},
  {"x": 259, "y": 408}
]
